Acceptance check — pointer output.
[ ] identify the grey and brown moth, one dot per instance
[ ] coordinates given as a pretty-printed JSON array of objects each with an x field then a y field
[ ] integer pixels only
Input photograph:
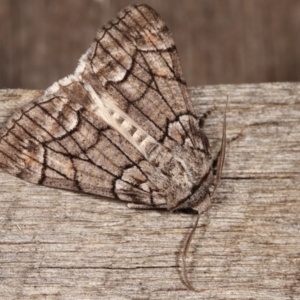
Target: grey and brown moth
[{"x": 122, "y": 126}]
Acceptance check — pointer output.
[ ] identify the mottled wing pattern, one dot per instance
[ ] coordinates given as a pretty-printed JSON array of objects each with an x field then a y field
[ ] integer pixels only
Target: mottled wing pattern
[{"x": 58, "y": 140}]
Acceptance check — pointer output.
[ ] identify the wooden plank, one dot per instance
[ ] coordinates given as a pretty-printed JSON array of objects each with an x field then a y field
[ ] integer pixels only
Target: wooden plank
[{"x": 58, "y": 244}]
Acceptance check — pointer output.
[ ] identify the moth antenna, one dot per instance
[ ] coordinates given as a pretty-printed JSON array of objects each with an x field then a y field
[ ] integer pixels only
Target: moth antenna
[
  {"x": 220, "y": 164},
  {"x": 184, "y": 254}
]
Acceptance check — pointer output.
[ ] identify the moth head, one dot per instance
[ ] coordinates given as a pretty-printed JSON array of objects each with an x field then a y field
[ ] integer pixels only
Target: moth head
[
  {"x": 200, "y": 195},
  {"x": 188, "y": 179}
]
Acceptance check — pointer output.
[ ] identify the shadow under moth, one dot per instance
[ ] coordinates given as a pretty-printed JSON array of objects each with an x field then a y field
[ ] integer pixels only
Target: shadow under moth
[{"x": 122, "y": 126}]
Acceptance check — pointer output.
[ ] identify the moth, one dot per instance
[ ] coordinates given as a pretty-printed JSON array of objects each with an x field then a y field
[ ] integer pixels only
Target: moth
[{"x": 122, "y": 126}]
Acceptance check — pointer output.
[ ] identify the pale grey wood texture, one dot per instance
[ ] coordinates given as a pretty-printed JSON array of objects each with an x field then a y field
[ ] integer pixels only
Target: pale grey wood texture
[{"x": 58, "y": 244}]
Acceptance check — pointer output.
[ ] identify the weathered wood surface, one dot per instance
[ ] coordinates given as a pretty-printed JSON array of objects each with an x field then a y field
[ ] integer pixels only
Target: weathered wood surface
[{"x": 62, "y": 245}]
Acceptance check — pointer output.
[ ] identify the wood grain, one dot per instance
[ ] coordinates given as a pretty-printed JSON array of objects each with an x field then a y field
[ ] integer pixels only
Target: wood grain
[{"x": 57, "y": 244}]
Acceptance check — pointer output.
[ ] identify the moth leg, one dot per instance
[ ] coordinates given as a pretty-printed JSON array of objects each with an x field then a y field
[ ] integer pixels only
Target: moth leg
[
  {"x": 204, "y": 205},
  {"x": 218, "y": 161},
  {"x": 205, "y": 116},
  {"x": 228, "y": 141},
  {"x": 215, "y": 162}
]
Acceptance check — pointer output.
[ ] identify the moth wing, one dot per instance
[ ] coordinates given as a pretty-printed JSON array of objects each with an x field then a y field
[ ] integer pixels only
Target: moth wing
[{"x": 134, "y": 60}]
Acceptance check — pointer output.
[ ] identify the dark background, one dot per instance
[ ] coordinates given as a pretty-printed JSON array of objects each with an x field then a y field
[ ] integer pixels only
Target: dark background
[{"x": 219, "y": 41}]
